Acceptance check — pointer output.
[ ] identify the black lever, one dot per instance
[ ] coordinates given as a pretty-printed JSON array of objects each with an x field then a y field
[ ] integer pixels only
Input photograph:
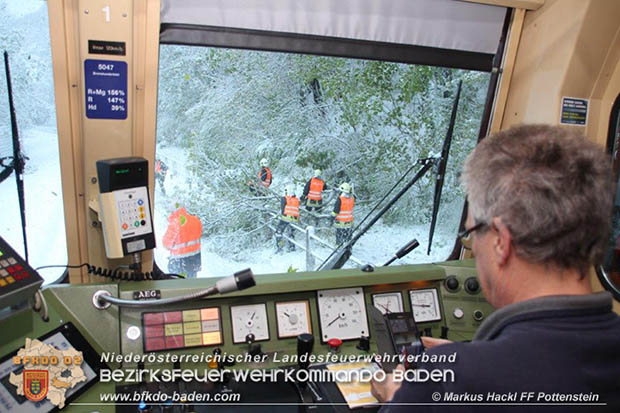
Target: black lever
[
  {"x": 410, "y": 246},
  {"x": 305, "y": 343}
]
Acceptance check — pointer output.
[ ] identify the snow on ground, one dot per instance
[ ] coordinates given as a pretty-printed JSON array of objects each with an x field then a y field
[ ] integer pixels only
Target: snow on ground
[
  {"x": 376, "y": 247},
  {"x": 45, "y": 224},
  {"x": 46, "y": 230}
]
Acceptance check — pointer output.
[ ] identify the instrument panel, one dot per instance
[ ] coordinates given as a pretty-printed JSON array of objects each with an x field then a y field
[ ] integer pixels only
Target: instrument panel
[{"x": 275, "y": 320}]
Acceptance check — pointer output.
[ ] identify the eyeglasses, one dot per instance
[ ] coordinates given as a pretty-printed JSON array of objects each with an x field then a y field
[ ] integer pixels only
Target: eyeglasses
[{"x": 466, "y": 232}]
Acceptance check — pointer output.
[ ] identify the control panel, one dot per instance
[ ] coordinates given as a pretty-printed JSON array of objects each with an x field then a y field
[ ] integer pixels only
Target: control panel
[
  {"x": 465, "y": 306},
  {"x": 168, "y": 330},
  {"x": 325, "y": 314},
  {"x": 18, "y": 281}
]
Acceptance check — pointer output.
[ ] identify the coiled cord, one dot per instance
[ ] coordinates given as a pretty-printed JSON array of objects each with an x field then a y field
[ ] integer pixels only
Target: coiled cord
[{"x": 118, "y": 274}]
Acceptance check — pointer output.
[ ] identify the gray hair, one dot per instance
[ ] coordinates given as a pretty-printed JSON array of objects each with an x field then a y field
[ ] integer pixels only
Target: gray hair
[{"x": 551, "y": 187}]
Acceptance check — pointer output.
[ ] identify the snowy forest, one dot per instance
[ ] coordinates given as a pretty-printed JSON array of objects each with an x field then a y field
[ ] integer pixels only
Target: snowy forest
[
  {"x": 220, "y": 111},
  {"x": 358, "y": 121}
]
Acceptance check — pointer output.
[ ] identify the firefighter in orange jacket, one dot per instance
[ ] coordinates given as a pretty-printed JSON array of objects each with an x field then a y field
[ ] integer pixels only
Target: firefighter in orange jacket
[
  {"x": 289, "y": 213},
  {"x": 313, "y": 192},
  {"x": 343, "y": 214},
  {"x": 264, "y": 178},
  {"x": 182, "y": 239}
]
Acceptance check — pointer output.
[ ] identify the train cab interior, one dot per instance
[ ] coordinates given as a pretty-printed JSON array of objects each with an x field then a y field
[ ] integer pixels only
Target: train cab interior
[{"x": 383, "y": 100}]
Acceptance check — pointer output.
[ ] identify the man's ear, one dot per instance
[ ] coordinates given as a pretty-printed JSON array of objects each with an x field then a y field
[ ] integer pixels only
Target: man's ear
[{"x": 502, "y": 243}]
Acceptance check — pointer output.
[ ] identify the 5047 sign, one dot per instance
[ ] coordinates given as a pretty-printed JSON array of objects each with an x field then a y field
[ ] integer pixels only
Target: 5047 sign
[{"x": 106, "y": 89}]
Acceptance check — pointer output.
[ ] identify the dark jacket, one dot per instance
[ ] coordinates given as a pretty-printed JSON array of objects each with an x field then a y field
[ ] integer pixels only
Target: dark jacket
[{"x": 556, "y": 347}]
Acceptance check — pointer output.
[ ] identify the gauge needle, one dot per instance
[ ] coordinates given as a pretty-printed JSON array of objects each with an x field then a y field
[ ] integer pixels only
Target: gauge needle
[
  {"x": 286, "y": 314},
  {"x": 422, "y": 305},
  {"x": 386, "y": 308},
  {"x": 334, "y": 320},
  {"x": 253, "y": 314}
]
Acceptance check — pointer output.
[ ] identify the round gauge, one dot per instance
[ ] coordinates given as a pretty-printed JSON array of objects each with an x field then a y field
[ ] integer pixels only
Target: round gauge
[
  {"x": 293, "y": 318},
  {"x": 388, "y": 302},
  {"x": 425, "y": 305},
  {"x": 342, "y": 314},
  {"x": 249, "y": 319}
]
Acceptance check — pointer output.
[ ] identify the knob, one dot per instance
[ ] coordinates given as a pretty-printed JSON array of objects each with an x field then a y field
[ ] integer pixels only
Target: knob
[
  {"x": 215, "y": 361},
  {"x": 478, "y": 315},
  {"x": 428, "y": 332},
  {"x": 305, "y": 342},
  {"x": 364, "y": 343},
  {"x": 444, "y": 332},
  {"x": 255, "y": 350},
  {"x": 249, "y": 339},
  {"x": 458, "y": 313},
  {"x": 452, "y": 283},
  {"x": 334, "y": 344},
  {"x": 472, "y": 285}
]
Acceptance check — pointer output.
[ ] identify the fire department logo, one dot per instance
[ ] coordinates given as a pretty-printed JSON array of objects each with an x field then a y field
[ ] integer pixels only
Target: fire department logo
[{"x": 36, "y": 384}]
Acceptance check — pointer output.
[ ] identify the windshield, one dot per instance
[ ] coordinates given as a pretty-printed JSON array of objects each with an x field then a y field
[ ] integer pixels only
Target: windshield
[
  {"x": 24, "y": 35},
  {"x": 240, "y": 132}
]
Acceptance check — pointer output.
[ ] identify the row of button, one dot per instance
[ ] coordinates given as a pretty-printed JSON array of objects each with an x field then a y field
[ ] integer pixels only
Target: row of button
[
  {"x": 8, "y": 262},
  {"x": 178, "y": 329},
  {"x": 11, "y": 272}
]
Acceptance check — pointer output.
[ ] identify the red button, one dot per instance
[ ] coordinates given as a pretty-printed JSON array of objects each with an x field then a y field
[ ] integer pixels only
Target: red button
[
  {"x": 19, "y": 267},
  {"x": 173, "y": 317},
  {"x": 124, "y": 226},
  {"x": 174, "y": 341},
  {"x": 154, "y": 344},
  {"x": 11, "y": 270},
  {"x": 334, "y": 343},
  {"x": 153, "y": 318},
  {"x": 154, "y": 331}
]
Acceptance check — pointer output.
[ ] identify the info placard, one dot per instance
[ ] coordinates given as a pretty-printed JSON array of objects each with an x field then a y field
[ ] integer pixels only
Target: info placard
[
  {"x": 106, "y": 89},
  {"x": 574, "y": 111}
]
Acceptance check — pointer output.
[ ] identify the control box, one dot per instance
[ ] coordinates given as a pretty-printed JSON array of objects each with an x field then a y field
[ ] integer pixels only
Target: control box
[
  {"x": 124, "y": 206},
  {"x": 18, "y": 281}
]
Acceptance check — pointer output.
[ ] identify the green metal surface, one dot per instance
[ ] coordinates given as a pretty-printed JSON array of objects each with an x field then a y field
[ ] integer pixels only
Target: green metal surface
[{"x": 106, "y": 330}]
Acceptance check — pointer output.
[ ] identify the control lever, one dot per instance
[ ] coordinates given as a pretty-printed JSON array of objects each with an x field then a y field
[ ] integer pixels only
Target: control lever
[
  {"x": 305, "y": 343},
  {"x": 410, "y": 246},
  {"x": 253, "y": 349}
]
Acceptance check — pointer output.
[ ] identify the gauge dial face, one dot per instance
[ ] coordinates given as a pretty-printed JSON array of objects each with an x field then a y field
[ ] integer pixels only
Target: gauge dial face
[
  {"x": 342, "y": 314},
  {"x": 388, "y": 302},
  {"x": 293, "y": 318},
  {"x": 425, "y": 305},
  {"x": 249, "y": 319}
]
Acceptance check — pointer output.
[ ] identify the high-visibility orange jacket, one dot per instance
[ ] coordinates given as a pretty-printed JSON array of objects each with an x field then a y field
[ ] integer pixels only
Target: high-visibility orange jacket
[
  {"x": 315, "y": 192},
  {"x": 183, "y": 234},
  {"x": 345, "y": 212},
  {"x": 265, "y": 176},
  {"x": 290, "y": 208}
]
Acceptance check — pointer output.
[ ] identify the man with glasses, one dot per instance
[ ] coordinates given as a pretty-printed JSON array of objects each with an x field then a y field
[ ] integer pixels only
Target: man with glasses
[{"x": 540, "y": 200}]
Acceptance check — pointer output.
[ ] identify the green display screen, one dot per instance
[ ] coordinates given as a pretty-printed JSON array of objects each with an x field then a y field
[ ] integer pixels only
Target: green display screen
[{"x": 122, "y": 171}]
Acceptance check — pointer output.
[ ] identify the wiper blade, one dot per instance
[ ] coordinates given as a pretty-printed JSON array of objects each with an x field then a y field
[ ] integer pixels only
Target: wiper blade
[{"x": 441, "y": 169}]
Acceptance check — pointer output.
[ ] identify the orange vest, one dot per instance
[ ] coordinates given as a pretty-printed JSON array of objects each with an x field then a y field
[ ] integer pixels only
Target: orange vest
[
  {"x": 316, "y": 189},
  {"x": 291, "y": 209},
  {"x": 183, "y": 234},
  {"x": 267, "y": 181},
  {"x": 346, "y": 209}
]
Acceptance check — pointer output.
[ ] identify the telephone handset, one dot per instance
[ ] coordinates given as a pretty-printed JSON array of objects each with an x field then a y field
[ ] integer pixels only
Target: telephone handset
[{"x": 124, "y": 206}]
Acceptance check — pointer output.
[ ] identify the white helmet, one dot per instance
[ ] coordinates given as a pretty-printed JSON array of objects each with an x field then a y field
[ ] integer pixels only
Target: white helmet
[
  {"x": 289, "y": 190},
  {"x": 345, "y": 187},
  {"x": 264, "y": 162},
  {"x": 317, "y": 172}
]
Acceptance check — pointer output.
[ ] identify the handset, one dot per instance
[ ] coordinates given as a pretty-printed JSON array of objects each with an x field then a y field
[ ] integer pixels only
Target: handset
[{"x": 124, "y": 206}]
